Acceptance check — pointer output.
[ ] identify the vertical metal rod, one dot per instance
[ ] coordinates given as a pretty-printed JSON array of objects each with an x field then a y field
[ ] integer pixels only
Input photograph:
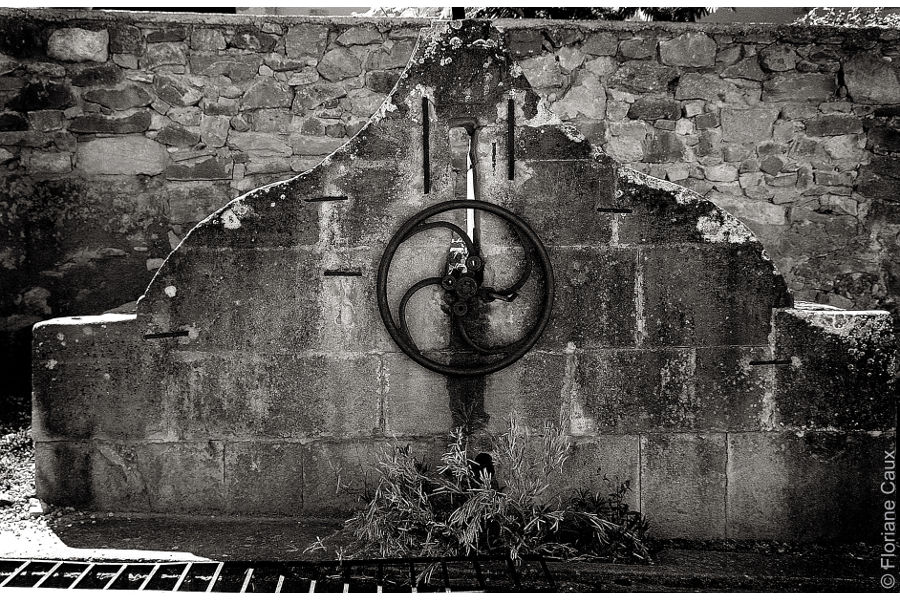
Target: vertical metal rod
[
  {"x": 184, "y": 573},
  {"x": 412, "y": 577},
  {"x": 215, "y": 577},
  {"x": 426, "y": 145},
  {"x": 246, "y": 580},
  {"x": 512, "y": 571},
  {"x": 47, "y": 575},
  {"x": 312, "y": 586},
  {"x": 547, "y": 573},
  {"x": 446, "y": 576},
  {"x": 149, "y": 576},
  {"x": 280, "y": 584},
  {"x": 478, "y": 573},
  {"x": 15, "y": 573},
  {"x": 82, "y": 575},
  {"x": 114, "y": 577},
  {"x": 511, "y": 139}
]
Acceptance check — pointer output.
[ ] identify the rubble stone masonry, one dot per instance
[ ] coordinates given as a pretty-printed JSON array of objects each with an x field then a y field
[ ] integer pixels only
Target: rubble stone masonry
[{"x": 120, "y": 131}]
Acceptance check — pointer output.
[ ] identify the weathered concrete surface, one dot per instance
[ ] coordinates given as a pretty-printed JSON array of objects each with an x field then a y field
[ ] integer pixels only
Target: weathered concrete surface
[
  {"x": 684, "y": 483},
  {"x": 781, "y": 484},
  {"x": 269, "y": 386},
  {"x": 841, "y": 370}
]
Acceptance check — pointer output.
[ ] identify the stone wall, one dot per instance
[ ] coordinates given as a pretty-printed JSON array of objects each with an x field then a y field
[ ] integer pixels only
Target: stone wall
[
  {"x": 257, "y": 374},
  {"x": 118, "y": 132}
]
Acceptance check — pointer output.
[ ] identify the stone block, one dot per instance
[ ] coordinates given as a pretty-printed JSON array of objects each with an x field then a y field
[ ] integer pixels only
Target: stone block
[
  {"x": 159, "y": 477},
  {"x": 836, "y": 124},
  {"x": 746, "y": 69},
  {"x": 290, "y": 396},
  {"x": 778, "y": 57},
  {"x": 799, "y": 87},
  {"x": 394, "y": 58},
  {"x": 282, "y": 279},
  {"x": 173, "y": 135},
  {"x": 207, "y": 40},
  {"x": 119, "y": 99},
  {"x": 558, "y": 200},
  {"x": 692, "y": 49},
  {"x": 599, "y": 43},
  {"x": 42, "y": 96},
  {"x": 585, "y": 99},
  {"x": 683, "y": 484},
  {"x": 533, "y": 387},
  {"x": 237, "y": 67},
  {"x": 312, "y": 96},
  {"x": 841, "y": 369},
  {"x": 163, "y": 54},
  {"x": 338, "y": 64},
  {"x": 125, "y": 39},
  {"x": 715, "y": 295},
  {"x": 359, "y": 36},
  {"x": 747, "y": 126},
  {"x": 47, "y": 162},
  {"x": 664, "y": 147},
  {"x": 264, "y": 477},
  {"x": 63, "y": 473},
  {"x": 543, "y": 71},
  {"x": 167, "y": 34},
  {"x": 210, "y": 169},
  {"x": 871, "y": 79},
  {"x": 701, "y": 86},
  {"x": 595, "y": 304},
  {"x": 807, "y": 487},
  {"x": 78, "y": 45},
  {"x": 267, "y": 93},
  {"x": 638, "y": 48},
  {"x": 260, "y": 144},
  {"x": 729, "y": 392},
  {"x": 250, "y": 38},
  {"x": 306, "y": 40},
  {"x": 127, "y": 155},
  {"x": 416, "y": 400},
  {"x": 175, "y": 90},
  {"x": 633, "y": 391},
  {"x": 13, "y": 122},
  {"x": 335, "y": 475},
  {"x": 650, "y": 109},
  {"x": 97, "y": 398},
  {"x": 641, "y": 77},
  {"x": 599, "y": 466},
  {"x": 135, "y": 123},
  {"x": 89, "y": 76}
]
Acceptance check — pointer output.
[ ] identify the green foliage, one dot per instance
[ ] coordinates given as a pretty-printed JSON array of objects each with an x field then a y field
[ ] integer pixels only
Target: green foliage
[
  {"x": 461, "y": 508},
  {"x": 605, "y": 13},
  {"x": 853, "y": 16}
]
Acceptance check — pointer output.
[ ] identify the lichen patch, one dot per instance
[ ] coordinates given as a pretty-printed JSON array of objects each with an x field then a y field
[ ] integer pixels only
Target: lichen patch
[{"x": 723, "y": 228}]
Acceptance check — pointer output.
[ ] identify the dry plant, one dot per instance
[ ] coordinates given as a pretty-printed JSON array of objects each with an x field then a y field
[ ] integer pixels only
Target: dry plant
[{"x": 462, "y": 508}]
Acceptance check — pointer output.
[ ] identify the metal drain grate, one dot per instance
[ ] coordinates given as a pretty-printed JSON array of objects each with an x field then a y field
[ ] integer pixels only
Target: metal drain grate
[{"x": 423, "y": 574}]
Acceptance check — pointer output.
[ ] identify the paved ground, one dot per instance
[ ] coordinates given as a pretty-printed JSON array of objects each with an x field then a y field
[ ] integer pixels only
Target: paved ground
[{"x": 677, "y": 566}]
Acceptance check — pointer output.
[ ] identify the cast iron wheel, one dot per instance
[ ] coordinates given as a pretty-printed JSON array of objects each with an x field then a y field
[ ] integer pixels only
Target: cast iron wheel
[{"x": 464, "y": 292}]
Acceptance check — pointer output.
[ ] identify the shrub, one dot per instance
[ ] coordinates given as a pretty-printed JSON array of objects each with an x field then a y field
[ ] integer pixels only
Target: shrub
[{"x": 461, "y": 508}]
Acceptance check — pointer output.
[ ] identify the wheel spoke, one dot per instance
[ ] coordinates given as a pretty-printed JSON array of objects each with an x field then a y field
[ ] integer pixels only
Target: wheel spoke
[{"x": 406, "y": 298}]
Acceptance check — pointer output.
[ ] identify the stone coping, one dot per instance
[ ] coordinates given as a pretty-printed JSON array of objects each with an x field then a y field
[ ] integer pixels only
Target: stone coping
[
  {"x": 741, "y": 29},
  {"x": 88, "y": 320}
]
